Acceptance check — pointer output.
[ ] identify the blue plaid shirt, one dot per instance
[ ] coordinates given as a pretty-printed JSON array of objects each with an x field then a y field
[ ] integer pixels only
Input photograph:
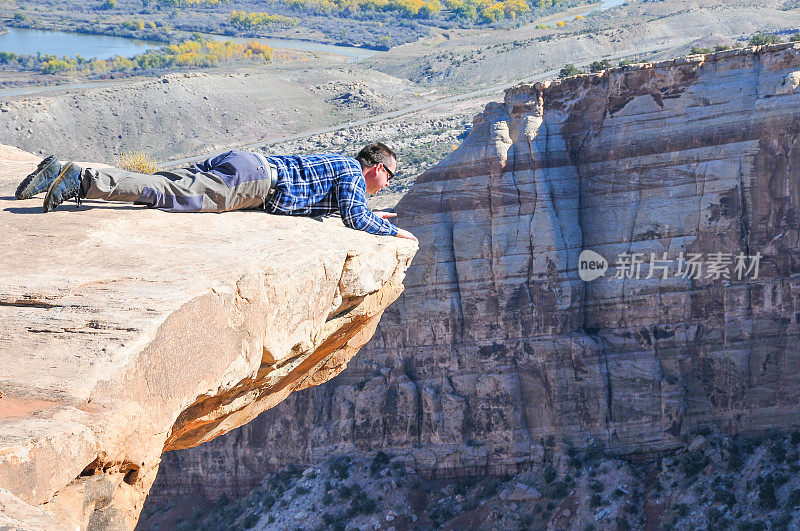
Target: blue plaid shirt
[{"x": 317, "y": 185}]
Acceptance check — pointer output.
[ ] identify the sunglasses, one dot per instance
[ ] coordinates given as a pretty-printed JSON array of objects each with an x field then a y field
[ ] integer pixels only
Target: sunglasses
[{"x": 388, "y": 171}]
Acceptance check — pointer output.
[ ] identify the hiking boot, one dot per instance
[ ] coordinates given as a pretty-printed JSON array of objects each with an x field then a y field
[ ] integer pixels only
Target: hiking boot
[
  {"x": 40, "y": 180},
  {"x": 67, "y": 185}
]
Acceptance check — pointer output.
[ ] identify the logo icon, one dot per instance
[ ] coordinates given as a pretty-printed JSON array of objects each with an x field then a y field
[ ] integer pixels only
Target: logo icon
[{"x": 591, "y": 265}]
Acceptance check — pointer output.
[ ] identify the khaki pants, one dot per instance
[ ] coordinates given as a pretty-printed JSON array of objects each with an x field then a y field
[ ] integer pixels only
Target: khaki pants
[{"x": 231, "y": 181}]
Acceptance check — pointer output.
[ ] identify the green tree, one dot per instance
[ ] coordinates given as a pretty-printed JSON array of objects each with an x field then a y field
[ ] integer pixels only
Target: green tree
[
  {"x": 764, "y": 38},
  {"x": 570, "y": 70},
  {"x": 599, "y": 66}
]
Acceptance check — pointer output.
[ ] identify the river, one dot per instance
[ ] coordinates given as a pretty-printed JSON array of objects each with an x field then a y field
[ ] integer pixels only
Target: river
[
  {"x": 61, "y": 43},
  {"x": 28, "y": 41}
]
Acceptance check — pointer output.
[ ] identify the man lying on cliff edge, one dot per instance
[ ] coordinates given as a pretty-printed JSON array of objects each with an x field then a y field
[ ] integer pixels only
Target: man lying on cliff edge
[{"x": 311, "y": 185}]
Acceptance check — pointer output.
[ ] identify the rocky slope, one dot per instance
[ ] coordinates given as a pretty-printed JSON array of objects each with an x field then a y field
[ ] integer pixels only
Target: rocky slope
[
  {"x": 128, "y": 332},
  {"x": 716, "y": 482},
  {"x": 498, "y": 354},
  {"x": 194, "y": 113}
]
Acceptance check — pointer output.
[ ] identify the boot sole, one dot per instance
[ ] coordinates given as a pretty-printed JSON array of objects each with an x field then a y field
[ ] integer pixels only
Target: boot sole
[{"x": 30, "y": 183}]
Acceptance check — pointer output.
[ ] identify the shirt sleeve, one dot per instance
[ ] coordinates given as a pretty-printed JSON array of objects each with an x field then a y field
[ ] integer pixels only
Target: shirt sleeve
[{"x": 352, "y": 190}]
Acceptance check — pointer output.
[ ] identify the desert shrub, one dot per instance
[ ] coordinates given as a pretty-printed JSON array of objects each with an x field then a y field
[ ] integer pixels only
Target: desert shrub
[
  {"x": 378, "y": 463},
  {"x": 724, "y": 495},
  {"x": 558, "y": 490},
  {"x": 250, "y": 521},
  {"x": 464, "y": 485},
  {"x": 599, "y": 66},
  {"x": 700, "y": 51},
  {"x": 594, "y": 451},
  {"x": 622, "y": 523},
  {"x": 761, "y": 39},
  {"x": 490, "y": 489},
  {"x": 8, "y": 57},
  {"x": 570, "y": 70},
  {"x": 56, "y": 66},
  {"x": 248, "y": 21},
  {"x": 344, "y": 492},
  {"x": 721, "y": 47},
  {"x": 340, "y": 467},
  {"x": 793, "y": 500},
  {"x": 268, "y": 501},
  {"x": 361, "y": 503},
  {"x": 596, "y": 500},
  {"x": 137, "y": 161},
  {"x": 778, "y": 451},
  {"x": 766, "y": 494},
  {"x": 549, "y": 474},
  {"x": 692, "y": 464}
]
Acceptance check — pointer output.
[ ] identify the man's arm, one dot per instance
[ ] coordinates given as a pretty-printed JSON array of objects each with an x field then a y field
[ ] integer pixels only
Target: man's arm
[
  {"x": 401, "y": 233},
  {"x": 351, "y": 193}
]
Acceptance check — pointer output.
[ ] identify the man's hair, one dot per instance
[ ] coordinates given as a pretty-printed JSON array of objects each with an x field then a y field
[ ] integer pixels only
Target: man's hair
[{"x": 374, "y": 154}]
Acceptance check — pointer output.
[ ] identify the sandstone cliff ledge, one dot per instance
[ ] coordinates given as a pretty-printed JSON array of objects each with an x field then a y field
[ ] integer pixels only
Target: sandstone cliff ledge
[
  {"x": 513, "y": 358},
  {"x": 127, "y": 332}
]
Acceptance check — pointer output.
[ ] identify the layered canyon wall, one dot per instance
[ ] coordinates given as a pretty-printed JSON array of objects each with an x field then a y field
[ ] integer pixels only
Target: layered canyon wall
[
  {"x": 128, "y": 332},
  {"x": 498, "y": 353}
]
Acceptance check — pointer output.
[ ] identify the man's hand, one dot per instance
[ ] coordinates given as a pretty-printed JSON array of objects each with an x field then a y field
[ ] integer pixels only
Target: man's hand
[
  {"x": 403, "y": 233},
  {"x": 384, "y": 215}
]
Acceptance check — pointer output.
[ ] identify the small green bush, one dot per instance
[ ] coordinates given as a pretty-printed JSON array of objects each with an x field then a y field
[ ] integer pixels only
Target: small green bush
[
  {"x": 761, "y": 39},
  {"x": 599, "y": 66},
  {"x": 570, "y": 70}
]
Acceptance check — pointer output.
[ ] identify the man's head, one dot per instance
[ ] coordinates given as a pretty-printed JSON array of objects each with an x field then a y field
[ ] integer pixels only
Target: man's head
[{"x": 378, "y": 164}]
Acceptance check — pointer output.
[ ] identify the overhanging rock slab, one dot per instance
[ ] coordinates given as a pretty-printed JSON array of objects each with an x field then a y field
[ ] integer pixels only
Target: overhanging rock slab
[{"x": 129, "y": 331}]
